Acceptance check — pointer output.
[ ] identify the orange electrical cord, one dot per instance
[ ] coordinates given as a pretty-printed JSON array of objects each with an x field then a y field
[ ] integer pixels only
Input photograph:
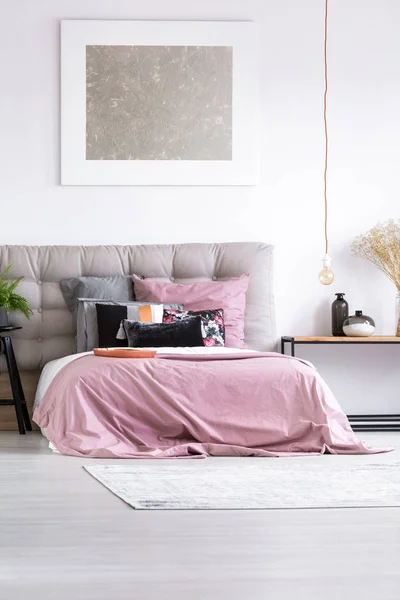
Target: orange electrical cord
[{"x": 326, "y": 125}]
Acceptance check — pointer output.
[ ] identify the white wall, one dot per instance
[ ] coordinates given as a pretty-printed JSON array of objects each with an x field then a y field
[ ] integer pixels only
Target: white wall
[{"x": 286, "y": 209}]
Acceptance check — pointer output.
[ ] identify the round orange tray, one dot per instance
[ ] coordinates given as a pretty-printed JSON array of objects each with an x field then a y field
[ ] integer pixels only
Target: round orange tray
[{"x": 124, "y": 353}]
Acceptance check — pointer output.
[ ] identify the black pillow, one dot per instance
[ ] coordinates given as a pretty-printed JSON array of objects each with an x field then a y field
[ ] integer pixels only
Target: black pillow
[
  {"x": 109, "y": 317},
  {"x": 156, "y": 335}
]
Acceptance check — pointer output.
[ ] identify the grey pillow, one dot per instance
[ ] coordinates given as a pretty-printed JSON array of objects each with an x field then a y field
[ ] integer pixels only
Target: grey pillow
[
  {"x": 87, "y": 332},
  {"x": 118, "y": 287}
]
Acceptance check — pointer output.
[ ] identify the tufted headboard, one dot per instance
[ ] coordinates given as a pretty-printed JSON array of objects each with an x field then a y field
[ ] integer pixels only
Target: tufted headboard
[{"x": 49, "y": 334}]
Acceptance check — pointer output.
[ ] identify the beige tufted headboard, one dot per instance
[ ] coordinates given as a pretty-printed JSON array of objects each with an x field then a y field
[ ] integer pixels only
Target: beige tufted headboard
[{"x": 49, "y": 334}]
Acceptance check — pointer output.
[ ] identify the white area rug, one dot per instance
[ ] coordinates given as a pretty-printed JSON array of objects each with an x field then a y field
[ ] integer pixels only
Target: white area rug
[{"x": 253, "y": 484}]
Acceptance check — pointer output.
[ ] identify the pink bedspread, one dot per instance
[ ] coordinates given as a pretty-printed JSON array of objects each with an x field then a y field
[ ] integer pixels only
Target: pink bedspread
[{"x": 194, "y": 405}]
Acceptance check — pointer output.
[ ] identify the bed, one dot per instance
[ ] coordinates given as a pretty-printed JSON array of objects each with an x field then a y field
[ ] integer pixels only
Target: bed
[
  {"x": 50, "y": 332},
  {"x": 256, "y": 402}
]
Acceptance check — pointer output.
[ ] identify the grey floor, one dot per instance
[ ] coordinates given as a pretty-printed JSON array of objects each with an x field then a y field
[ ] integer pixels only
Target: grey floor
[{"x": 63, "y": 536}]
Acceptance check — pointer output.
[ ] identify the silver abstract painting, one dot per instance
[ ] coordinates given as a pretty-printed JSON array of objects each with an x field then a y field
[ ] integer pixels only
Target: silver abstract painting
[{"x": 159, "y": 103}]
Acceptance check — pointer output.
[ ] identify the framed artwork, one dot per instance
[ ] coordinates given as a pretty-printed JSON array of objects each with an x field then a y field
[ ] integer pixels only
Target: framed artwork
[{"x": 158, "y": 103}]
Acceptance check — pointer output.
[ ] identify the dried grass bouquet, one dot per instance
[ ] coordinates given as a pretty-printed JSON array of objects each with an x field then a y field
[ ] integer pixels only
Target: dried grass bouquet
[{"x": 381, "y": 246}]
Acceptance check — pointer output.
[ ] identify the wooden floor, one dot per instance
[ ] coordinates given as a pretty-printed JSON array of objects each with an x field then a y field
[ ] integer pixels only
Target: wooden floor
[{"x": 63, "y": 536}]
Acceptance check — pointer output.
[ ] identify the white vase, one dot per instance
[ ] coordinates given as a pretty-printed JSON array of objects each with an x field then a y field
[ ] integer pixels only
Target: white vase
[
  {"x": 398, "y": 315},
  {"x": 359, "y": 325}
]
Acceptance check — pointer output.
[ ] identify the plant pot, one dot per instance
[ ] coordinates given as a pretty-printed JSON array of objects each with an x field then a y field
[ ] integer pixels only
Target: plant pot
[{"x": 3, "y": 317}]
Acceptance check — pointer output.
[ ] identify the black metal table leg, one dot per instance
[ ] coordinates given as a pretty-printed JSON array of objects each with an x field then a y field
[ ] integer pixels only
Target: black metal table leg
[
  {"x": 27, "y": 421},
  {"x": 16, "y": 387},
  {"x": 289, "y": 340}
]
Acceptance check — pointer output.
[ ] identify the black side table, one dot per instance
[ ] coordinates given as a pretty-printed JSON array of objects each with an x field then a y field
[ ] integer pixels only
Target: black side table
[
  {"x": 377, "y": 422},
  {"x": 18, "y": 399}
]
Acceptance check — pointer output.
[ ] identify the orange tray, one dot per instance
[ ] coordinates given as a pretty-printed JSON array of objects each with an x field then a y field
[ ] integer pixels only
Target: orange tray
[{"x": 124, "y": 353}]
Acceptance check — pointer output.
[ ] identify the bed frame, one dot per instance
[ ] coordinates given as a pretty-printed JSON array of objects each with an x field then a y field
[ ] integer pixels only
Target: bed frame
[{"x": 50, "y": 332}]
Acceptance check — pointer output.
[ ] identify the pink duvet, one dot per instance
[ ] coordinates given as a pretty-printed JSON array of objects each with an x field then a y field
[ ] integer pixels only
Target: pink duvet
[{"x": 194, "y": 405}]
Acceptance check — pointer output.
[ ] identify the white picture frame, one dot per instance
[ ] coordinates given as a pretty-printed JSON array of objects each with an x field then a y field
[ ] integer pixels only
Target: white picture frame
[{"x": 240, "y": 169}]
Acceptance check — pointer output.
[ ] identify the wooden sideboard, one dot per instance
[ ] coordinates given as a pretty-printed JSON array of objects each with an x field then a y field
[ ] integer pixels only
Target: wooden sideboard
[{"x": 363, "y": 422}]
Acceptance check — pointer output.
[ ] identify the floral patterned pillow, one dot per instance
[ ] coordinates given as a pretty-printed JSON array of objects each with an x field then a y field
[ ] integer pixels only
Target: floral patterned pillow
[{"x": 212, "y": 323}]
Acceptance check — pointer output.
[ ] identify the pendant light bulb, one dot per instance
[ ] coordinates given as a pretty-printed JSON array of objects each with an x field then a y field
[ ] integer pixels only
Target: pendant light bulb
[{"x": 326, "y": 275}]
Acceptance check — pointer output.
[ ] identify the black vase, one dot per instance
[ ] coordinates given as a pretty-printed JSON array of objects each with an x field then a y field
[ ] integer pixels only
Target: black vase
[{"x": 340, "y": 312}]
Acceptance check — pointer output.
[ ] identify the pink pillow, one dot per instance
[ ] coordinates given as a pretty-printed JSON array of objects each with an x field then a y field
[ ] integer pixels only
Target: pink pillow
[{"x": 229, "y": 295}]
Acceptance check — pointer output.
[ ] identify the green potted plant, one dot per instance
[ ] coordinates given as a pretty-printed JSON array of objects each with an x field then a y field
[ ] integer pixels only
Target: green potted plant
[{"x": 9, "y": 300}]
